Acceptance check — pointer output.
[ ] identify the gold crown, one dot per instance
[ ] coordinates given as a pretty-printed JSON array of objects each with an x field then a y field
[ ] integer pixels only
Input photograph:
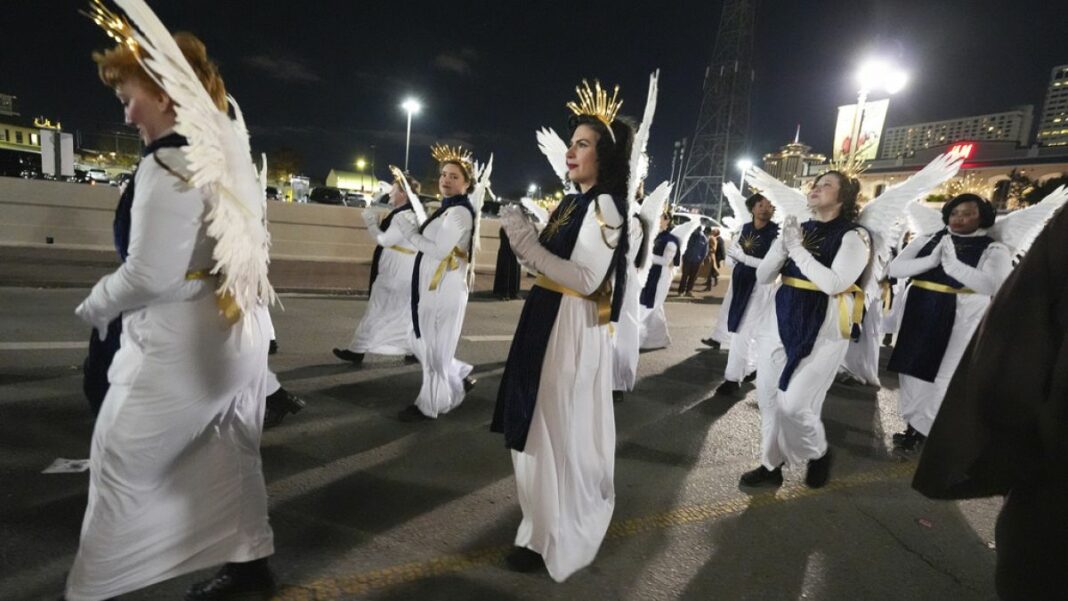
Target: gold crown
[
  {"x": 851, "y": 164},
  {"x": 595, "y": 103},
  {"x": 970, "y": 183},
  {"x": 116, "y": 26},
  {"x": 398, "y": 175},
  {"x": 444, "y": 152}
]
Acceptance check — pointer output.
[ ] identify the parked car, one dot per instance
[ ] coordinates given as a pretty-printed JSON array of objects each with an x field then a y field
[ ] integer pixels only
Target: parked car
[
  {"x": 272, "y": 193},
  {"x": 325, "y": 195},
  {"x": 358, "y": 199},
  {"x": 99, "y": 176}
]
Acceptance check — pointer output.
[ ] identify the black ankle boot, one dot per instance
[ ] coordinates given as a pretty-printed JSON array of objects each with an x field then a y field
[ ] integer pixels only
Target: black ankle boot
[
  {"x": 762, "y": 476},
  {"x": 280, "y": 404},
  {"x": 727, "y": 388},
  {"x": 819, "y": 471},
  {"x": 347, "y": 355},
  {"x": 248, "y": 581},
  {"x": 522, "y": 559}
]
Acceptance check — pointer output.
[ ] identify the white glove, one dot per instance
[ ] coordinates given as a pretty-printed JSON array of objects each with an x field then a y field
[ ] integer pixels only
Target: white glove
[
  {"x": 947, "y": 250},
  {"x": 735, "y": 252},
  {"x": 93, "y": 318},
  {"x": 370, "y": 217},
  {"x": 792, "y": 237},
  {"x": 522, "y": 234},
  {"x": 405, "y": 222}
]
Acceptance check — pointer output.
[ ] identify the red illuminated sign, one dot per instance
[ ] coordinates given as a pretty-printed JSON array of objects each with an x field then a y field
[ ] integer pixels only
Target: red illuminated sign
[{"x": 963, "y": 151}]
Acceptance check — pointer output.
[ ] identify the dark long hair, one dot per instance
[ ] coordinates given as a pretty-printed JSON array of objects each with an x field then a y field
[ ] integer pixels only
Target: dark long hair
[
  {"x": 613, "y": 173},
  {"x": 987, "y": 215},
  {"x": 848, "y": 193}
]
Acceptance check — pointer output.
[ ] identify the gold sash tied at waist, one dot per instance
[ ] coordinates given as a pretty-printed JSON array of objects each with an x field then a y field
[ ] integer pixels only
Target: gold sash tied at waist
[
  {"x": 845, "y": 320},
  {"x": 401, "y": 249},
  {"x": 449, "y": 263},
  {"x": 602, "y": 297},
  {"x": 936, "y": 287},
  {"x": 225, "y": 301}
]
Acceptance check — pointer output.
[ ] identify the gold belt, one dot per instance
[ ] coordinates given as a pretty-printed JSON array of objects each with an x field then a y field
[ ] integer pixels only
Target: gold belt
[
  {"x": 936, "y": 287},
  {"x": 602, "y": 297},
  {"x": 887, "y": 298},
  {"x": 845, "y": 320},
  {"x": 401, "y": 249},
  {"x": 449, "y": 263},
  {"x": 225, "y": 301}
]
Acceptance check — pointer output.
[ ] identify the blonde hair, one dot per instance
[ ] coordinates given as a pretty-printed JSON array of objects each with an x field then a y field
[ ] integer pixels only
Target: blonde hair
[{"x": 120, "y": 64}]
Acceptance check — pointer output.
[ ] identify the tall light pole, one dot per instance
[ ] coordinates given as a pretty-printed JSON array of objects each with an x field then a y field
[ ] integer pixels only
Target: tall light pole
[
  {"x": 873, "y": 75},
  {"x": 412, "y": 107}
]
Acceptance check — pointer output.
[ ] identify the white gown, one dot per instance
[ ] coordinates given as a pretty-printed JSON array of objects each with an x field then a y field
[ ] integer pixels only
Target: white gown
[
  {"x": 791, "y": 429},
  {"x": 565, "y": 474},
  {"x": 627, "y": 330},
  {"x": 654, "y": 327},
  {"x": 862, "y": 359},
  {"x": 720, "y": 333},
  {"x": 176, "y": 483},
  {"x": 919, "y": 399},
  {"x": 386, "y": 326},
  {"x": 741, "y": 356},
  {"x": 441, "y": 312}
]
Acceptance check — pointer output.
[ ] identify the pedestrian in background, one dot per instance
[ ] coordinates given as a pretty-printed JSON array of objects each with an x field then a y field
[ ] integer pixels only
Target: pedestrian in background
[
  {"x": 697, "y": 252},
  {"x": 716, "y": 254}
]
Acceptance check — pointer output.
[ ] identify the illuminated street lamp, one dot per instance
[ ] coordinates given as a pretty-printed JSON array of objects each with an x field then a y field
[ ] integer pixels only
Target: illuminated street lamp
[
  {"x": 532, "y": 190},
  {"x": 874, "y": 74},
  {"x": 360, "y": 164},
  {"x": 743, "y": 165},
  {"x": 412, "y": 107}
]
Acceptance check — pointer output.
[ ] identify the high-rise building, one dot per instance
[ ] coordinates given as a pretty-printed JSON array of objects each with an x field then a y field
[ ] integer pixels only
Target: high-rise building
[
  {"x": 1013, "y": 125},
  {"x": 1053, "y": 129},
  {"x": 791, "y": 161},
  {"x": 7, "y": 105}
]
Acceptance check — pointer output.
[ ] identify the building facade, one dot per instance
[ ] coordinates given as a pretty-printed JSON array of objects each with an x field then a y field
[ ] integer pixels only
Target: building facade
[
  {"x": 1053, "y": 129},
  {"x": 906, "y": 140},
  {"x": 792, "y": 161}
]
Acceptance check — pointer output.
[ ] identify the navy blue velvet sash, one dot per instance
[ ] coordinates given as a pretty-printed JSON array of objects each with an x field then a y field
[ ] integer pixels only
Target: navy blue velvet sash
[
  {"x": 800, "y": 313},
  {"x": 101, "y": 352},
  {"x": 378, "y": 249},
  {"x": 755, "y": 243},
  {"x": 927, "y": 322},
  {"x": 518, "y": 392},
  {"x": 448, "y": 203},
  {"x": 648, "y": 296}
]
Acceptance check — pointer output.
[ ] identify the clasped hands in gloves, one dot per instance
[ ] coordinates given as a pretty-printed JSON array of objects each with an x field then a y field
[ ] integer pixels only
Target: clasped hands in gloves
[
  {"x": 792, "y": 237},
  {"x": 521, "y": 232}
]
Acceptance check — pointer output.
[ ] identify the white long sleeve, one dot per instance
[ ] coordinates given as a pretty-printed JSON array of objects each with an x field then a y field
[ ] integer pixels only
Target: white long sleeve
[
  {"x": 907, "y": 265},
  {"x": 994, "y": 267},
  {"x": 772, "y": 263},
  {"x": 454, "y": 232},
  {"x": 668, "y": 258},
  {"x": 584, "y": 271},
  {"x": 747, "y": 259},
  {"x": 167, "y": 218},
  {"x": 391, "y": 237},
  {"x": 847, "y": 266}
]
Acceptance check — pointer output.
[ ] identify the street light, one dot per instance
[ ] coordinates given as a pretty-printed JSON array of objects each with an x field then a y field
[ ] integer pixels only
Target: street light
[
  {"x": 743, "y": 165},
  {"x": 412, "y": 107},
  {"x": 874, "y": 74},
  {"x": 360, "y": 164}
]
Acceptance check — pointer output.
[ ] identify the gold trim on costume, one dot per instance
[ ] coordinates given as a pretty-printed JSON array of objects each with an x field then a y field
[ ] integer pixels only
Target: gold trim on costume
[
  {"x": 449, "y": 263},
  {"x": 845, "y": 324},
  {"x": 225, "y": 301},
  {"x": 602, "y": 297},
  {"x": 401, "y": 249},
  {"x": 936, "y": 287},
  {"x": 116, "y": 26},
  {"x": 444, "y": 152},
  {"x": 595, "y": 103}
]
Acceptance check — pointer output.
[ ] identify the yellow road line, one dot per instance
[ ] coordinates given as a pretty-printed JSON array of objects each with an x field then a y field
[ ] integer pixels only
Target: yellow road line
[{"x": 337, "y": 587}]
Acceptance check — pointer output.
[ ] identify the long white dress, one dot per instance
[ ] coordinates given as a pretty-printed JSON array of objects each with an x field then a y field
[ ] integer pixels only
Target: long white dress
[
  {"x": 862, "y": 357},
  {"x": 742, "y": 353},
  {"x": 791, "y": 429},
  {"x": 654, "y": 327},
  {"x": 176, "y": 483},
  {"x": 627, "y": 329},
  {"x": 565, "y": 474},
  {"x": 441, "y": 311},
  {"x": 386, "y": 326},
  {"x": 720, "y": 333},
  {"x": 920, "y": 400}
]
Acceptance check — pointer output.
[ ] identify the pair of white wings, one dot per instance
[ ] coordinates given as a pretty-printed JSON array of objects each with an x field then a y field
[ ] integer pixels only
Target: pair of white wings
[{"x": 219, "y": 158}]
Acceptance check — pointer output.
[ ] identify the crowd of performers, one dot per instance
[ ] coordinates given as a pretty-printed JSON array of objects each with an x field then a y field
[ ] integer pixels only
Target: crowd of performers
[{"x": 176, "y": 481}]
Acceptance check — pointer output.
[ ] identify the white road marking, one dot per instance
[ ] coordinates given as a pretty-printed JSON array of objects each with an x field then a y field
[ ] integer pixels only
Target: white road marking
[
  {"x": 43, "y": 346},
  {"x": 496, "y": 338}
]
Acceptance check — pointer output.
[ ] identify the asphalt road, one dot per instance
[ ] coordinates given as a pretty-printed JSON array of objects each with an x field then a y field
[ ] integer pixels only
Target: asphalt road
[{"x": 366, "y": 507}]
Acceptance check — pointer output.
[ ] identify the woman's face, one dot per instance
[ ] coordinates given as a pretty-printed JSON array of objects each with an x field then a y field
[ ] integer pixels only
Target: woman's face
[
  {"x": 763, "y": 210},
  {"x": 397, "y": 197},
  {"x": 582, "y": 157},
  {"x": 824, "y": 193},
  {"x": 452, "y": 181},
  {"x": 964, "y": 218},
  {"x": 149, "y": 110}
]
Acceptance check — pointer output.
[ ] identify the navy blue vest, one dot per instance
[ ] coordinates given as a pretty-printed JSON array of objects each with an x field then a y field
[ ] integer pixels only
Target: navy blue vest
[
  {"x": 101, "y": 352},
  {"x": 448, "y": 203},
  {"x": 800, "y": 313},
  {"x": 518, "y": 392},
  {"x": 648, "y": 296},
  {"x": 755, "y": 243},
  {"x": 378, "y": 249},
  {"x": 927, "y": 322}
]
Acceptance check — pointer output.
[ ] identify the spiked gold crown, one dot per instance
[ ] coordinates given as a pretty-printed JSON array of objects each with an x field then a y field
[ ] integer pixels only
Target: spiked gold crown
[
  {"x": 596, "y": 103},
  {"x": 851, "y": 164},
  {"x": 116, "y": 26},
  {"x": 444, "y": 152}
]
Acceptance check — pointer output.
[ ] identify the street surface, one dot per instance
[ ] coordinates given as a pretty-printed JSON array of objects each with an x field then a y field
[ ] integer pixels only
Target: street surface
[{"x": 366, "y": 507}]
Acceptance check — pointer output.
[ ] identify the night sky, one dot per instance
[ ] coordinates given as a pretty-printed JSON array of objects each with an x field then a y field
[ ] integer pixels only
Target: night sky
[{"x": 326, "y": 77}]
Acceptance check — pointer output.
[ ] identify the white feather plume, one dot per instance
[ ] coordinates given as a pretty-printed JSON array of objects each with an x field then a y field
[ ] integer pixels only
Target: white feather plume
[
  {"x": 417, "y": 205},
  {"x": 219, "y": 159},
  {"x": 1018, "y": 229},
  {"x": 540, "y": 214},
  {"x": 736, "y": 201},
  {"x": 478, "y": 199},
  {"x": 641, "y": 140},
  {"x": 788, "y": 201},
  {"x": 924, "y": 220},
  {"x": 555, "y": 150},
  {"x": 652, "y": 208}
]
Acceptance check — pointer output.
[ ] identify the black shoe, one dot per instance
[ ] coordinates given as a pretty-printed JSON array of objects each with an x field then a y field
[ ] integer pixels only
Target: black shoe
[
  {"x": 234, "y": 583},
  {"x": 912, "y": 443},
  {"x": 524, "y": 560},
  {"x": 762, "y": 476},
  {"x": 710, "y": 342},
  {"x": 347, "y": 355},
  {"x": 819, "y": 471},
  {"x": 411, "y": 359},
  {"x": 617, "y": 396},
  {"x": 272, "y": 348},
  {"x": 469, "y": 383},
  {"x": 728, "y": 388},
  {"x": 750, "y": 377},
  {"x": 411, "y": 413},
  {"x": 901, "y": 437},
  {"x": 888, "y": 340},
  {"x": 280, "y": 404}
]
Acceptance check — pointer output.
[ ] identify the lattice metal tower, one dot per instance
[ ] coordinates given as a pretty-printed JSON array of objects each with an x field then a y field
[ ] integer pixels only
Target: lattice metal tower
[{"x": 722, "y": 132}]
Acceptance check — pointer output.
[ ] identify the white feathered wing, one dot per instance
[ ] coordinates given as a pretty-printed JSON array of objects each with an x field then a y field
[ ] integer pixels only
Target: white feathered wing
[
  {"x": 555, "y": 150},
  {"x": 649, "y": 213},
  {"x": 741, "y": 212},
  {"x": 638, "y": 167},
  {"x": 1018, "y": 229}
]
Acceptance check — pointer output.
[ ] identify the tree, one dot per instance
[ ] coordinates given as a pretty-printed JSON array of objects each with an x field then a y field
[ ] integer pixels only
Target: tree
[{"x": 283, "y": 162}]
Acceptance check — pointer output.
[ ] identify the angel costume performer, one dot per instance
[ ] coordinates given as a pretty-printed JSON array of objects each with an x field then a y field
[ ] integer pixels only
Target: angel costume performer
[
  {"x": 665, "y": 257},
  {"x": 953, "y": 277},
  {"x": 554, "y": 405},
  {"x": 176, "y": 483}
]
